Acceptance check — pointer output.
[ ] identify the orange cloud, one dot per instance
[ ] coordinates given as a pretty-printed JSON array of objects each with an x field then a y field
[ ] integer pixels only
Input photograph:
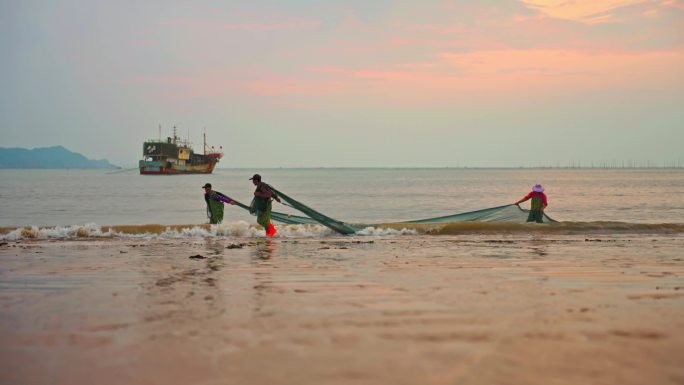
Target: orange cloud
[
  {"x": 568, "y": 66},
  {"x": 490, "y": 74},
  {"x": 585, "y": 11},
  {"x": 508, "y": 72},
  {"x": 673, "y": 4}
]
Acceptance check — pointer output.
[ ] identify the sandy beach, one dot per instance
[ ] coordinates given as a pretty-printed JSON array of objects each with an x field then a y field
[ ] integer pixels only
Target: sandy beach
[{"x": 415, "y": 309}]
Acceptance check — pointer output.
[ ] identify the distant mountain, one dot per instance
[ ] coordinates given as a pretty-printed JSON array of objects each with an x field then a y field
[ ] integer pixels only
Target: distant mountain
[{"x": 48, "y": 157}]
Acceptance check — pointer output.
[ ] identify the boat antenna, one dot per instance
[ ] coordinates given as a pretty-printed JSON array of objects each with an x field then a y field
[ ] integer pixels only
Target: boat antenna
[
  {"x": 160, "y": 132},
  {"x": 174, "y": 135}
]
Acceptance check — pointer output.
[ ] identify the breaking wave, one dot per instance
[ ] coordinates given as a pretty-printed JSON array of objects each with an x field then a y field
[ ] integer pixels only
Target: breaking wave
[
  {"x": 569, "y": 228},
  {"x": 244, "y": 229},
  {"x": 92, "y": 230}
]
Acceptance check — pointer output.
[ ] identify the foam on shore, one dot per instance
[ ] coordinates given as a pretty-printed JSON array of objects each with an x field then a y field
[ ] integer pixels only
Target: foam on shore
[{"x": 244, "y": 229}]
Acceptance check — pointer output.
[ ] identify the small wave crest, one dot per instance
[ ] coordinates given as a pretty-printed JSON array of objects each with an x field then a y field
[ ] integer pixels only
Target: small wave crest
[
  {"x": 92, "y": 230},
  {"x": 57, "y": 232},
  {"x": 380, "y": 231},
  {"x": 569, "y": 228}
]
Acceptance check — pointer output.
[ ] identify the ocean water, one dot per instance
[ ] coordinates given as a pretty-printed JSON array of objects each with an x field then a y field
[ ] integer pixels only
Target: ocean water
[{"x": 77, "y": 197}]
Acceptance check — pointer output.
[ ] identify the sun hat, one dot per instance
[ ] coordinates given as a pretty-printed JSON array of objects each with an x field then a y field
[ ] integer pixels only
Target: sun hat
[{"x": 538, "y": 188}]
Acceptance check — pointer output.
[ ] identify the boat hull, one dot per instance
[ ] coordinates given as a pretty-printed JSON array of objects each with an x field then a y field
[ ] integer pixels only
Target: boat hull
[{"x": 168, "y": 168}]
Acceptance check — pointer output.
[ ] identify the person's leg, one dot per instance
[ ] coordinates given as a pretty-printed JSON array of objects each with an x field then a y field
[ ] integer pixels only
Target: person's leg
[
  {"x": 270, "y": 230},
  {"x": 263, "y": 219},
  {"x": 216, "y": 212},
  {"x": 535, "y": 216}
]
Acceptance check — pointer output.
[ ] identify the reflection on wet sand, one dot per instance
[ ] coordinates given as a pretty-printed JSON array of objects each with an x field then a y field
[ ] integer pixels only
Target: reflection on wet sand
[
  {"x": 397, "y": 310},
  {"x": 265, "y": 249},
  {"x": 263, "y": 280}
]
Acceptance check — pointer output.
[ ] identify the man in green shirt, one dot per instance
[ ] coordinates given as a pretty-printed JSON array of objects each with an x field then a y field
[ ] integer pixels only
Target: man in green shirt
[{"x": 215, "y": 202}]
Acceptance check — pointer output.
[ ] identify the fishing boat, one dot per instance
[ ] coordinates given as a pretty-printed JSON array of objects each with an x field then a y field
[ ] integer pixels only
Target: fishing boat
[{"x": 174, "y": 156}]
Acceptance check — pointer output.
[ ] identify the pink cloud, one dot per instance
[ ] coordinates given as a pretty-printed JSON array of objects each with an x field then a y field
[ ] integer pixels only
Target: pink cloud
[
  {"x": 600, "y": 11},
  {"x": 495, "y": 73},
  {"x": 486, "y": 74},
  {"x": 286, "y": 86},
  {"x": 570, "y": 67},
  {"x": 678, "y": 4},
  {"x": 585, "y": 11}
]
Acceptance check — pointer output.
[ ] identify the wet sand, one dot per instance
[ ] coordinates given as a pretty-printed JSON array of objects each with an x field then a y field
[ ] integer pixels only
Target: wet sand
[{"x": 485, "y": 309}]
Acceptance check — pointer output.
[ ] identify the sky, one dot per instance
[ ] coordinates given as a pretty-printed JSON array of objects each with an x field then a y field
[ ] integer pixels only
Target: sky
[{"x": 350, "y": 83}]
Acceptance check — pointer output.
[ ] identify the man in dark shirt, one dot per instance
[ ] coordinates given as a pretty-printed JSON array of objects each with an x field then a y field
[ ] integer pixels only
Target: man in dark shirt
[{"x": 261, "y": 204}]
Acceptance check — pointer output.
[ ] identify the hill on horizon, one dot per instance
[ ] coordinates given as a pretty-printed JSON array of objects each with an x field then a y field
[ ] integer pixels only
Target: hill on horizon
[{"x": 49, "y": 157}]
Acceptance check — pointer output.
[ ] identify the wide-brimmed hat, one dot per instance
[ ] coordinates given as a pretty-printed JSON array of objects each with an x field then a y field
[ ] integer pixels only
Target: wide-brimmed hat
[{"x": 538, "y": 188}]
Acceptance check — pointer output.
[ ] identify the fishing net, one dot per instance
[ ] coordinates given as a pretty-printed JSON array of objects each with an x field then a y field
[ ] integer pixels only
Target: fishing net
[
  {"x": 501, "y": 214},
  {"x": 334, "y": 224},
  {"x": 288, "y": 219}
]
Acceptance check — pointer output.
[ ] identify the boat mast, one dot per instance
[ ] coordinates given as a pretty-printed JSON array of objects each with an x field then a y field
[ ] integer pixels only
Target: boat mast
[{"x": 205, "y": 141}]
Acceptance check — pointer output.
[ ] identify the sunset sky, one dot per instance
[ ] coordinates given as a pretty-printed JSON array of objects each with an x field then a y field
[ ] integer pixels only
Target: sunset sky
[{"x": 349, "y": 83}]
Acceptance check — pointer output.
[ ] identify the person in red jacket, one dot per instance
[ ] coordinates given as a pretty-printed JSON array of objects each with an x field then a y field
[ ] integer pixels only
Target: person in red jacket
[{"x": 537, "y": 205}]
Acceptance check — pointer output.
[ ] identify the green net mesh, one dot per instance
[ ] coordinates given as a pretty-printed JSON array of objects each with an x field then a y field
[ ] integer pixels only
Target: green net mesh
[
  {"x": 334, "y": 224},
  {"x": 283, "y": 217},
  {"x": 500, "y": 214}
]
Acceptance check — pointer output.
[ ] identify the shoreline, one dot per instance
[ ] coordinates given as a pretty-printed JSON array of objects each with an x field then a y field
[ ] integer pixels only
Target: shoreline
[{"x": 246, "y": 229}]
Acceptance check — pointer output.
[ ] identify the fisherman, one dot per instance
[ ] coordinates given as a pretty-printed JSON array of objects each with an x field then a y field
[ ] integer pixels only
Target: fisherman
[
  {"x": 261, "y": 204},
  {"x": 537, "y": 205},
  {"x": 215, "y": 202}
]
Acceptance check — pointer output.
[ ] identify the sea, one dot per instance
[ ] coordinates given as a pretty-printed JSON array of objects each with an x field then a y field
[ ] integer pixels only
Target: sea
[{"x": 94, "y": 199}]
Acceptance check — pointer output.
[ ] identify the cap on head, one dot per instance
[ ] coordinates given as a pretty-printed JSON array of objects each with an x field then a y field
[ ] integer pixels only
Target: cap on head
[
  {"x": 256, "y": 177},
  {"x": 538, "y": 188},
  {"x": 207, "y": 185}
]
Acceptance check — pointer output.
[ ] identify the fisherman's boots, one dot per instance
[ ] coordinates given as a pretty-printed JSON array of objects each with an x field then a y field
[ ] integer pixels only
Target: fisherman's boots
[{"x": 271, "y": 231}]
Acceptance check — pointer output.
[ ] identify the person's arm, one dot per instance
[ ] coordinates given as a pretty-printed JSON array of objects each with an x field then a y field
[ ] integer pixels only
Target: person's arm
[
  {"x": 544, "y": 202},
  {"x": 262, "y": 192},
  {"x": 273, "y": 194},
  {"x": 526, "y": 197},
  {"x": 225, "y": 199},
  {"x": 221, "y": 198},
  {"x": 265, "y": 192}
]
